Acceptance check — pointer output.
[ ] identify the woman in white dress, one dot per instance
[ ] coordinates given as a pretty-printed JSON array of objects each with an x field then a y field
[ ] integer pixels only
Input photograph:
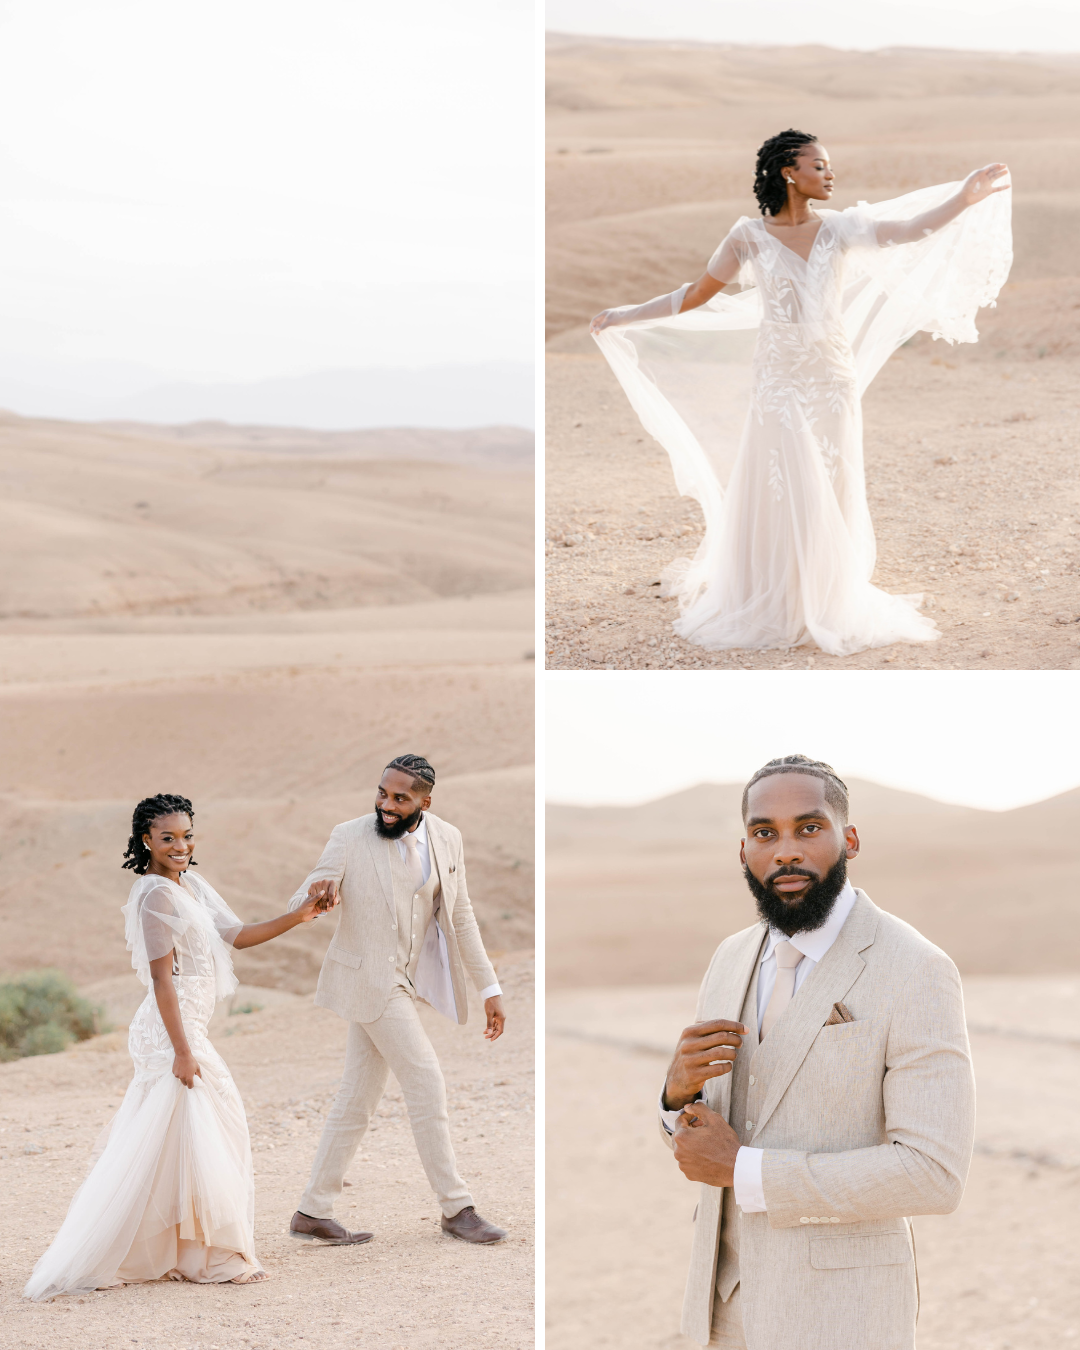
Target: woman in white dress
[
  {"x": 756, "y": 395},
  {"x": 171, "y": 1192}
]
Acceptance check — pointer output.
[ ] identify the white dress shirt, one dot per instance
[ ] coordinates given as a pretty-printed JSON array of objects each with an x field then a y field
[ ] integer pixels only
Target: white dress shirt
[
  {"x": 749, "y": 1191},
  {"x": 424, "y": 852}
]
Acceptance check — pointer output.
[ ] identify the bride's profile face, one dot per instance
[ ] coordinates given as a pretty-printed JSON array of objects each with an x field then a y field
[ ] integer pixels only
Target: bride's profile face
[
  {"x": 812, "y": 173},
  {"x": 171, "y": 841}
]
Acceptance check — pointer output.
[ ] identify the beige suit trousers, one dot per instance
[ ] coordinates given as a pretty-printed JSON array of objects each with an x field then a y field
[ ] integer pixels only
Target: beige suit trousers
[
  {"x": 727, "y": 1327},
  {"x": 395, "y": 1042}
]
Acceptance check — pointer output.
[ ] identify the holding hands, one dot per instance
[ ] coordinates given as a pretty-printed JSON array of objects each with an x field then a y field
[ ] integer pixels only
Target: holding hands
[{"x": 323, "y": 895}]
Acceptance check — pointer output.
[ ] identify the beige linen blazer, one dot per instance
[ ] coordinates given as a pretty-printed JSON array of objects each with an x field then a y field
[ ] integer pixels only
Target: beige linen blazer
[
  {"x": 358, "y": 969},
  {"x": 863, "y": 1125}
]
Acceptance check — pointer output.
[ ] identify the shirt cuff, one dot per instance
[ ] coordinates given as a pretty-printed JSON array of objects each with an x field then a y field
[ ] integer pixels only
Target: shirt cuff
[
  {"x": 490, "y": 992},
  {"x": 671, "y": 1118},
  {"x": 749, "y": 1188}
]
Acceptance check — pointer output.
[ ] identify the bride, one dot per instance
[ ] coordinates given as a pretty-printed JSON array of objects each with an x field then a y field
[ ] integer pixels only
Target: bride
[
  {"x": 756, "y": 395},
  {"x": 171, "y": 1192}
]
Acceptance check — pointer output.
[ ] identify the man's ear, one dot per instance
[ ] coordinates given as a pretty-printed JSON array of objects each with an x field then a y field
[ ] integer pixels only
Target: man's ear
[
  {"x": 742, "y": 851},
  {"x": 425, "y": 805},
  {"x": 851, "y": 839}
]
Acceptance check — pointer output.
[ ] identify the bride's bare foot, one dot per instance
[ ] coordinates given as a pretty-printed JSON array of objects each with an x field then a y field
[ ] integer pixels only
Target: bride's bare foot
[{"x": 255, "y": 1277}]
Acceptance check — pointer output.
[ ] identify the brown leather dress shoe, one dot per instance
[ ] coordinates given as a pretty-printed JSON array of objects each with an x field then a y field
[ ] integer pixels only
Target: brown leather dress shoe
[
  {"x": 470, "y": 1227},
  {"x": 326, "y": 1231}
]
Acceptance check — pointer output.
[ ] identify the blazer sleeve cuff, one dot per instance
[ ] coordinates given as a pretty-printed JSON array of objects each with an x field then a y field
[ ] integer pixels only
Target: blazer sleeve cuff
[{"x": 791, "y": 1198}]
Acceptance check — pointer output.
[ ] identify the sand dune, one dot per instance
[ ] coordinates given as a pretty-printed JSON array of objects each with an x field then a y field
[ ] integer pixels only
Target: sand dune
[
  {"x": 271, "y": 706},
  {"x": 126, "y": 520},
  {"x": 650, "y": 161},
  {"x": 644, "y": 894}
]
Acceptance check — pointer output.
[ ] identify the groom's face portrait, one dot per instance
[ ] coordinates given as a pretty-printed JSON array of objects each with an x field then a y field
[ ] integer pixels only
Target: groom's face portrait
[
  {"x": 399, "y": 803},
  {"x": 796, "y": 850}
]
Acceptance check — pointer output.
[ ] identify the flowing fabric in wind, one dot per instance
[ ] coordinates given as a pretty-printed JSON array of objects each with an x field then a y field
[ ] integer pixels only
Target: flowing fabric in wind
[
  {"x": 171, "y": 1188},
  {"x": 756, "y": 397}
]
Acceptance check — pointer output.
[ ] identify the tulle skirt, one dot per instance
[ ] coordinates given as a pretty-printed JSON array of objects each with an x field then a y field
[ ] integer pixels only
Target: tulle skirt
[{"x": 172, "y": 1190}]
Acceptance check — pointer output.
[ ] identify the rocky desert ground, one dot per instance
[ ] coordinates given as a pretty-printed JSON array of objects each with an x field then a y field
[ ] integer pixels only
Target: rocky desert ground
[
  {"x": 637, "y": 900},
  {"x": 260, "y": 621},
  {"x": 970, "y": 450}
]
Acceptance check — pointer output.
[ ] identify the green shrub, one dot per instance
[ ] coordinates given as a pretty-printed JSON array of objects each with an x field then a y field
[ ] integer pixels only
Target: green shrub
[{"x": 40, "y": 1013}]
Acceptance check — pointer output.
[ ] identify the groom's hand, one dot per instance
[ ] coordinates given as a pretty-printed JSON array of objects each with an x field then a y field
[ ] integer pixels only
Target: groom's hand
[
  {"x": 705, "y": 1050},
  {"x": 496, "y": 1018},
  {"x": 705, "y": 1146},
  {"x": 324, "y": 893}
]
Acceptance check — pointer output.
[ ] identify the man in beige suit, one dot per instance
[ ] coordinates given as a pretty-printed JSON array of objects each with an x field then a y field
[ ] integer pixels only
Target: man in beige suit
[
  {"x": 823, "y": 1096},
  {"x": 406, "y": 932}
]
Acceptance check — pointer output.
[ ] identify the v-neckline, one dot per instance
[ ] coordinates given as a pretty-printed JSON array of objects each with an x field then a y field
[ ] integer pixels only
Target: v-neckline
[{"x": 817, "y": 235}]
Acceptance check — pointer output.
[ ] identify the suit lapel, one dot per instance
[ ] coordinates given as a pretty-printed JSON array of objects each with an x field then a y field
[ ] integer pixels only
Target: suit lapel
[
  {"x": 725, "y": 998},
  {"x": 440, "y": 860},
  {"x": 379, "y": 849},
  {"x": 782, "y": 1052}
]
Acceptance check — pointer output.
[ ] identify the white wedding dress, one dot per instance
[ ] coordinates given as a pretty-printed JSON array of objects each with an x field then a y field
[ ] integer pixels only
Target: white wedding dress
[
  {"x": 172, "y": 1190},
  {"x": 756, "y": 398}
]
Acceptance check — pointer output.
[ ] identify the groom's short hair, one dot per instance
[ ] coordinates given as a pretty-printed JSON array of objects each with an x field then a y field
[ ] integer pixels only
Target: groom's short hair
[
  {"x": 836, "y": 793},
  {"x": 418, "y": 769}
]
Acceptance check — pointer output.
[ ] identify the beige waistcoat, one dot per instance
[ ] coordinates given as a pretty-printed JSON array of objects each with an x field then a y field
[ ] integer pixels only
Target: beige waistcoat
[{"x": 415, "y": 910}]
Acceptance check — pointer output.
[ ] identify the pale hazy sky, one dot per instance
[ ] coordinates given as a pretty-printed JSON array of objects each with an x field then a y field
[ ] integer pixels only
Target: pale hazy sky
[
  {"x": 985, "y": 25},
  {"x": 994, "y": 740},
  {"x": 238, "y": 189}
]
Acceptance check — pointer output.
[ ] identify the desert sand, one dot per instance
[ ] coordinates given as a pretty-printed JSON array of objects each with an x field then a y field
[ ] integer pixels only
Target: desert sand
[
  {"x": 970, "y": 450},
  {"x": 637, "y": 899},
  {"x": 262, "y": 634}
]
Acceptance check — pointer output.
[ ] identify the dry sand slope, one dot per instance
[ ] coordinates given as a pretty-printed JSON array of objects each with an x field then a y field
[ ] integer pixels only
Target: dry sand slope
[
  {"x": 999, "y": 1274},
  {"x": 970, "y": 451},
  {"x": 263, "y": 635}
]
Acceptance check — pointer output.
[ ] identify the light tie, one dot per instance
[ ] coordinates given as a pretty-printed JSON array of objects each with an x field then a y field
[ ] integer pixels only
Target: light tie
[
  {"x": 787, "y": 958},
  {"x": 413, "y": 866}
]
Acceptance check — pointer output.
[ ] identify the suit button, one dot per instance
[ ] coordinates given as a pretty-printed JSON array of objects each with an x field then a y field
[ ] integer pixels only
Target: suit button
[
  {"x": 749, "y": 1124},
  {"x": 804, "y": 1220},
  {"x": 815, "y": 1220},
  {"x": 834, "y": 1220},
  {"x": 753, "y": 1080},
  {"x": 389, "y": 958}
]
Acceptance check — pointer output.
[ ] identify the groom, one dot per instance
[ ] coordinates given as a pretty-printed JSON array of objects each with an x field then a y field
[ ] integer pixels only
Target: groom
[
  {"x": 824, "y": 1095},
  {"x": 407, "y": 932}
]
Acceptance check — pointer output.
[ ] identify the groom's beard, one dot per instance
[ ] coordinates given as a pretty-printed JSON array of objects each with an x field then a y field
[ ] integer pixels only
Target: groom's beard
[
  {"x": 812, "y": 908},
  {"x": 399, "y": 827}
]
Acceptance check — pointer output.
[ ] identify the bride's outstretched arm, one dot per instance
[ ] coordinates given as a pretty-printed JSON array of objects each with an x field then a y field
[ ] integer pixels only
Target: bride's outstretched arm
[
  {"x": 253, "y": 933},
  {"x": 976, "y": 187},
  {"x": 723, "y": 269}
]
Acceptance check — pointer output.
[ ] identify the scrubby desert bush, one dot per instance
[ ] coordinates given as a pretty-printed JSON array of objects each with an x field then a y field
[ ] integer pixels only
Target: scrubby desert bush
[{"x": 40, "y": 1013}]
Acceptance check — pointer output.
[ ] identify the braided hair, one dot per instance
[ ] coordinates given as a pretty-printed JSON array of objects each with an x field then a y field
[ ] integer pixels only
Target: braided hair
[
  {"x": 417, "y": 767},
  {"x": 836, "y": 793},
  {"x": 778, "y": 153},
  {"x": 147, "y": 811}
]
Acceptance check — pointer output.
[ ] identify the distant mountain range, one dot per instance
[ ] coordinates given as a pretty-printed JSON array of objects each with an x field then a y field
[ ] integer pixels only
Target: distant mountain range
[{"x": 449, "y": 396}]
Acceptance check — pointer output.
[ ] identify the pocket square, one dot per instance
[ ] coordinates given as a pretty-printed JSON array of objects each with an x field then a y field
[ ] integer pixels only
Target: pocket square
[{"x": 839, "y": 1014}]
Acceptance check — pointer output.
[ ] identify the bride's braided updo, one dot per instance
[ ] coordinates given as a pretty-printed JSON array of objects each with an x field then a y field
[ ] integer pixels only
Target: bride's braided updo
[
  {"x": 777, "y": 154},
  {"x": 147, "y": 811}
]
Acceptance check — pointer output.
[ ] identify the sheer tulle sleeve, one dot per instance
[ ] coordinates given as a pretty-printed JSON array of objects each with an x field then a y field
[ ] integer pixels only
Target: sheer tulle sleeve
[
  {"x": 152, "y": 924},
  {"x": 936, "y": 283},
  {"x": 731, "y": 261}
]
